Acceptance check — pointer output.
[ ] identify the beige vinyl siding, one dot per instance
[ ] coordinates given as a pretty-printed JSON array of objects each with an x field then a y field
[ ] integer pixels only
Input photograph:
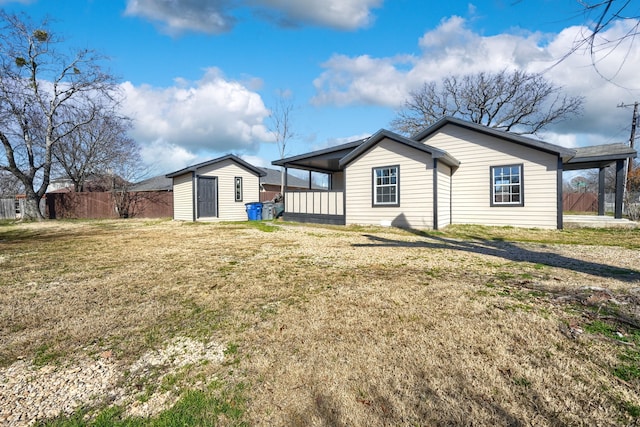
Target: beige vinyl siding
[
  {"x": 228, "y": 208},
  {"x": 415, "y": 187},
  {"x": 183, "y": 197},
  {"x": 471, "y": 182},
  {"x": 444, "y": 195}
]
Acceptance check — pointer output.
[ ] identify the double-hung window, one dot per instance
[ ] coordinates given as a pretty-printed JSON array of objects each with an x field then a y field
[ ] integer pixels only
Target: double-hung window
[
  {"x": 506, "y": 185},
  {"x": 386, "y": 189},
  {"x": 238, "y": 188}
]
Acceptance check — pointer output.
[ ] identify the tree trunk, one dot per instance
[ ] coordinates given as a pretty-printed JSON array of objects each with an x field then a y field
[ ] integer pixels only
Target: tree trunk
[
  {"x": 282, "y": 180},
  {"x": 32, "y": 207}
]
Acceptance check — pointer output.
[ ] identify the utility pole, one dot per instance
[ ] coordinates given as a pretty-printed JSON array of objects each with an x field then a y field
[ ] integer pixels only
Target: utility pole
[{"x": 629, "y": 162}]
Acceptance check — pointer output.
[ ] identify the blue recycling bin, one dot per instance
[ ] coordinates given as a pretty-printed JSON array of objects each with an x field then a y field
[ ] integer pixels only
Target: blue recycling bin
[{"x": 254, "y": 211}]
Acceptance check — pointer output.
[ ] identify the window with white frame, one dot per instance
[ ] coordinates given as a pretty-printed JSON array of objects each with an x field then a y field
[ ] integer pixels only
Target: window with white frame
[
  {"x": 238, "y": 187},
  {"x": 506, "y": 185},
  {"x": 386, "y": 190}
]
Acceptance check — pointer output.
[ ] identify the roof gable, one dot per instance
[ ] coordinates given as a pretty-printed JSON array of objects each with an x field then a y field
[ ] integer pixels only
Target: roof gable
[
  {"x": 385, "y": 134},
  {"x": 565, "y": 153},
  {"x": 257, "y": 171}
]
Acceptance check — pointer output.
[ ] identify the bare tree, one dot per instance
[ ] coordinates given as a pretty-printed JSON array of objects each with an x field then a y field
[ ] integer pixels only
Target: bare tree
[
  {"x": 125, "y": 171},
  {"x": 516, "y": 101},
  {"x": 9, "y": 185},
  {"x": 45, "y": 95},
  {"x": 282, "y": 128},
  {"x": 94, "y": 149},
  {"x": 600, "y": 16}
]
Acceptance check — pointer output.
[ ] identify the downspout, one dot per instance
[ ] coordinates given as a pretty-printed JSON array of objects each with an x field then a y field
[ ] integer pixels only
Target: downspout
[{"x": 450, "y": 195}]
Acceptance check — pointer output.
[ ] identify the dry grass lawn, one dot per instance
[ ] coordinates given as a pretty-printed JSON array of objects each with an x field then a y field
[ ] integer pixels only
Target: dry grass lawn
[{"x": 343, "y": 325}]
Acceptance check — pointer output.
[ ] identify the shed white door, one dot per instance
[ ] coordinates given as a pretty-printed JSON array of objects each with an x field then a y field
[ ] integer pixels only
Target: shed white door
[{"x": 207, "y": 197}]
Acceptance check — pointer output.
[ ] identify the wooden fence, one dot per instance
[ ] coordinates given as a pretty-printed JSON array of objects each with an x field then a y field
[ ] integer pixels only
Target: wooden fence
[
  {"x": 580, "y": 202},
  {"x": 99, "y": 205},
  {"x": 8, "y": 208}
]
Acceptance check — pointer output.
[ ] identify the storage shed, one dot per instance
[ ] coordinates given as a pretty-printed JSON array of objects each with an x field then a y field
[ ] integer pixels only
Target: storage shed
[{"x": 216, "y": 190}]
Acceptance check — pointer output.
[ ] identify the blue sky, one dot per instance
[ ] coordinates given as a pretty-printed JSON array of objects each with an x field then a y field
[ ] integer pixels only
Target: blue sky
[{"x": 200, "y": 76}]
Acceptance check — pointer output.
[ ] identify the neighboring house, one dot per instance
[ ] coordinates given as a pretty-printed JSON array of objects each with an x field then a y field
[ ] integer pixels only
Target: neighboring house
[
  {"x": 270, "y": 184},
  {"x": 454, "y": 172},
  {"x": 272, "y": 181},
  {"x": 215, "y": 190},
  {"x": 156, "y": 183}
]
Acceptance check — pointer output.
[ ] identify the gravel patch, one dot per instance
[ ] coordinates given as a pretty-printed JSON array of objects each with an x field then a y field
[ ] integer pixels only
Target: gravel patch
[{"x": 29, "y": 393}]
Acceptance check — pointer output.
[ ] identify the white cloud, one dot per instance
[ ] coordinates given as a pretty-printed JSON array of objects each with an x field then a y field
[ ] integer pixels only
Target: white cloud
[
  {"x": 332, "y": 142},
  {"x": 361, "y": 80},
  {"x": 339, "y": 14},
  {"x": 208, "y": 116},
  {"x": 165, "y": 157},
  {"x": 453, "y": 49},
  {"x": 257, "y": 161},
  {"x": 207, "y": 16},
  {"x": 218, "y": 16}
]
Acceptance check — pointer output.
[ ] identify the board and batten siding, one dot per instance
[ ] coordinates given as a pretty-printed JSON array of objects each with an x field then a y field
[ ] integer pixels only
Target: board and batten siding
[
  {"x": 415, "y": 187},
  {"x": 183, "y": 197},
  {"x": 444, "y": 195},
  {"x": 471, "y": 182},
  {"x": 226, "y": 171}
]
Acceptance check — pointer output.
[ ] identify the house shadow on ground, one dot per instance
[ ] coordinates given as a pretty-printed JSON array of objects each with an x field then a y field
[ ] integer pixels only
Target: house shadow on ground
[{"x": 511, "y": 251}]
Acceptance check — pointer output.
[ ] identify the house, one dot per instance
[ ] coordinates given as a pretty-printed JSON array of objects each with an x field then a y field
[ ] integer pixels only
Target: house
[
  {"x": 272, "y": 181},
  {"x": 271, "y": 184},
  {"x": 454, "y": 172},
  {"x": 215, "y": 190},
  {"x": 155, "y": 183}
]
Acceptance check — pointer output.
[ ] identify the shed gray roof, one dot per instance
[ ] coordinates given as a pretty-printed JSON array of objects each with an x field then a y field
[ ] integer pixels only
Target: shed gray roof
[{"x": 257, "y": 171}]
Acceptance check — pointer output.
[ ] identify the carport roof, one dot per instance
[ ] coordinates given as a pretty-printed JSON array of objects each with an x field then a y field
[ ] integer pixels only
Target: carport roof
[
  {"x": 326, "y": 160},
  {"x": 598, "y": 156}
]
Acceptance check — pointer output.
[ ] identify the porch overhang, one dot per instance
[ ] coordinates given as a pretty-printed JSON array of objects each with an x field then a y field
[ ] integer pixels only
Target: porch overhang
[
  {"x": 599, "y": 156},
  {"x": 326, "y": 160}
]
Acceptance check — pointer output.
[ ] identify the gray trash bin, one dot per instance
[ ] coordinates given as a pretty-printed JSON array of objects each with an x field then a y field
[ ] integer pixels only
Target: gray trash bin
[
  {"x": 267, "y": 210},
  {"x": 278, "y": 209}
]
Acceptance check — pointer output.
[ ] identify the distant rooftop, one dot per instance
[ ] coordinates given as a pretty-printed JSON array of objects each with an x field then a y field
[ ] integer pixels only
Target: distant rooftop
[{"x": 156, "y": 183}]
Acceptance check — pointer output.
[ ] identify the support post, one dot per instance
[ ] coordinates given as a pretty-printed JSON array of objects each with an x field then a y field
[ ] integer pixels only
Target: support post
[
  {"x": 559, "y": 198},
  {"x": 619, "y": 188},
  {"x": 601, "y": 191}
]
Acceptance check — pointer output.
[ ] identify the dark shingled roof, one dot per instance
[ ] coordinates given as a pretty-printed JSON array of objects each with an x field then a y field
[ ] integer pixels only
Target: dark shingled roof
[
  {"x": 597, "y": 156},
  {"x": 156, "y": 183},
  {"x": 231, "y": 157},
  {"x": 273, "y": 178}
]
